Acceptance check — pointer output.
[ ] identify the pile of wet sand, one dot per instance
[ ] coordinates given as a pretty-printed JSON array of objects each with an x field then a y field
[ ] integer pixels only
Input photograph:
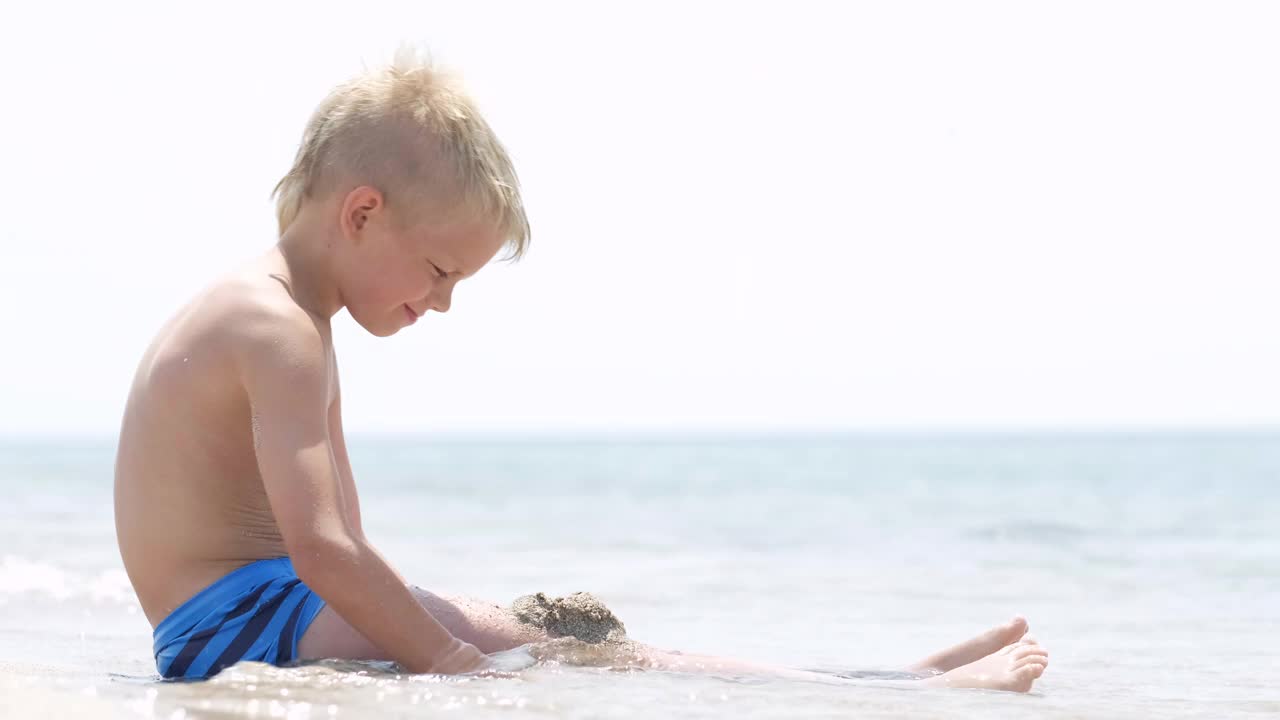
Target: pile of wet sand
[{"x": 580, "y": 615}]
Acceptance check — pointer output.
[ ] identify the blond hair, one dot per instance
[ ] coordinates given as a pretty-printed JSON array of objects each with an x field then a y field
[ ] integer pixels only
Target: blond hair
[{"x": 411, "y": 131}]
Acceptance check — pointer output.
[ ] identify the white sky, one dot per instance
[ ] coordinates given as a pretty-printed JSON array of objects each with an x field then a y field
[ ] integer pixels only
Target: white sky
[{"x": 784, "y": 216}]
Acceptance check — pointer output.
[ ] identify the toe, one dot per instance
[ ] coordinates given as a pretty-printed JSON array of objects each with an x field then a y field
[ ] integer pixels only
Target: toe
[
  {"x": 1008, "y": 633},
  {"x": 1025, "y": 675},
  {"x": 1020, "y": 680},
  {"x": 1023, "y": 651},
  {"x": 1029, "y": 639},
  {"x": 1032, "y": 660}
]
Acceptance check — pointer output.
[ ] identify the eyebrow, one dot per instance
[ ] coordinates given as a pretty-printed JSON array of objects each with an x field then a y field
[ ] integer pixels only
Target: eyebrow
[
  {"x": 444, "y": 263},
  {"x": 451, "y": 273},
  {"x": 440, "y": 267}
]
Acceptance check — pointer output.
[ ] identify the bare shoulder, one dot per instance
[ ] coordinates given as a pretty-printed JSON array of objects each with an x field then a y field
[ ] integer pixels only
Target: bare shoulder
[
  {"x": 256, "y": 320},
  {"x": 237, "y": 343}
]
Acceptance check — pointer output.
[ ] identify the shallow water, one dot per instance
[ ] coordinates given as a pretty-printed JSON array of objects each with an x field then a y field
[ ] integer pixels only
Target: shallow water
[{"x": 1149, "y": 565}]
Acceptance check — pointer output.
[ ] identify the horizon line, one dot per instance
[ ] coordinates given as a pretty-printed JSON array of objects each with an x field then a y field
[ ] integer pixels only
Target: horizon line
[{"x": 731, "y": 432}]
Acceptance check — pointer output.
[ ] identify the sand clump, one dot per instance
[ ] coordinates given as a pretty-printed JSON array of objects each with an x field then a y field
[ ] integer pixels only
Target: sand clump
[{"x": 580, "y": 615}]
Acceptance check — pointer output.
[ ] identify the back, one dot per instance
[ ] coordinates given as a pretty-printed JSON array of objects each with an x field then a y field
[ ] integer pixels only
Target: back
[{"x": 189, "y": 501}]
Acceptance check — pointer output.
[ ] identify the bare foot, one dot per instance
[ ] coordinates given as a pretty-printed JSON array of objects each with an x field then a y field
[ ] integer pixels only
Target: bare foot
[
  {"x": 1013, "y": 667},
  {"x": 973, "y": 649}
]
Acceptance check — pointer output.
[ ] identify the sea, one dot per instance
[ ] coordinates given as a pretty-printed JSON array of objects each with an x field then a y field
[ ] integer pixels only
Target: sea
[{"x": 1148, "y": 564}]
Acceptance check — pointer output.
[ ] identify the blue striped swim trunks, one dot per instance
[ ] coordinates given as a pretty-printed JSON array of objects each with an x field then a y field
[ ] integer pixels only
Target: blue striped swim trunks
[{"x": 257, "y": 612}]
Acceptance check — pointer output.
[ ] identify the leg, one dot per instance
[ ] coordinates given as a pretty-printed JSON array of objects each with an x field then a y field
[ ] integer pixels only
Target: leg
[
  {"x": 492, "y": 628},
  {"x": 973, "y": 649},
  {"x": 960, "y": 655},
  {"x": 631, "y": 654},
  {"x": 656, "y": 659},
  {"x": 487, "y": 626},
  {"x": 995, "y": 660}
]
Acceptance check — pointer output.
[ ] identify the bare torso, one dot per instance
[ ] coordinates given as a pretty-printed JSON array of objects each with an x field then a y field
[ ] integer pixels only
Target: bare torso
[{"x": 189, "y": 501}]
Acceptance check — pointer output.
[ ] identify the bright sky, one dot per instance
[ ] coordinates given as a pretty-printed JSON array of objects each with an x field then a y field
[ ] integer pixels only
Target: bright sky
[{"x": 784, "y": 216}]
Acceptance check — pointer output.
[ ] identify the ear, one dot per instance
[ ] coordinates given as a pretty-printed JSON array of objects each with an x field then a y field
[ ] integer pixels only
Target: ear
[{"x": 358, "y": 207}]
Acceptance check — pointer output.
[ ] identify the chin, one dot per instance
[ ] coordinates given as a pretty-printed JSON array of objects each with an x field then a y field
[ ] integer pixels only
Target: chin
[
  {"x": 382, "y": 332},
  {"x": 377, "y": 329}
]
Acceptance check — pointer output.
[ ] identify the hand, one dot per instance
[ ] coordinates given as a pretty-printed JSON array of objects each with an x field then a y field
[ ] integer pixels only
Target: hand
[
  {"x": 460, "y": 658},
  {"x": 512, "y": 661}
]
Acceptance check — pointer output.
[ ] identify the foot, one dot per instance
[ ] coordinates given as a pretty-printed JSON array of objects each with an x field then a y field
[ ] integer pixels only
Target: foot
[
  {"x": 1014, "y": 667},
  {"x": 973, "y": 649}
]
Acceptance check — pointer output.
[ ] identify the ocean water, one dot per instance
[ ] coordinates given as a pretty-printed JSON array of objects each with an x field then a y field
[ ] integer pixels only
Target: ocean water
[{"x": 1148, "y": 565}]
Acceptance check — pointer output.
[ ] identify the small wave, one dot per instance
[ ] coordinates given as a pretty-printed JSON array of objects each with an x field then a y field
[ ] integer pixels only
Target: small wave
[{"x": 20, "y": 576}]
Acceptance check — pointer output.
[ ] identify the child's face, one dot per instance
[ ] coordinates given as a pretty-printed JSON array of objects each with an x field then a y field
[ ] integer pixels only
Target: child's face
[{"x": 396, "y": 273}]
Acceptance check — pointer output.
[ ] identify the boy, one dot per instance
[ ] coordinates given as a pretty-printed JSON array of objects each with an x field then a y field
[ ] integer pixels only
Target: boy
[{"x": 236, "y": 513}]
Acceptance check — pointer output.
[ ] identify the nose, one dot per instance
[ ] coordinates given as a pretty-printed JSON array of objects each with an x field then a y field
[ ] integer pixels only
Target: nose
[{"x": 442, "y": 299}]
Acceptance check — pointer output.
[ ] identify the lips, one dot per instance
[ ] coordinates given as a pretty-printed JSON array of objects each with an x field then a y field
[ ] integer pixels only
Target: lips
[{"x": 413, "y": 316}]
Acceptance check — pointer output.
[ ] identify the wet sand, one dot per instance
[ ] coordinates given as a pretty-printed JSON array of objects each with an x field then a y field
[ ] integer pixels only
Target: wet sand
[
  {"x": 583, "y": 632},
  {"x": 580, "y": 615}
]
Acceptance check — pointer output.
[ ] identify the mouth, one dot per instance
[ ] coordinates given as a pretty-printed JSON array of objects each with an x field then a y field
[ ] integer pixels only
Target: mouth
[{"x": 413, "y": 316}]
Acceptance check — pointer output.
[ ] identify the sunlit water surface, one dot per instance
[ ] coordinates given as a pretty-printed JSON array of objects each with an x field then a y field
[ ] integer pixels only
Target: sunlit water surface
[{"x": 1149, "y": 565}]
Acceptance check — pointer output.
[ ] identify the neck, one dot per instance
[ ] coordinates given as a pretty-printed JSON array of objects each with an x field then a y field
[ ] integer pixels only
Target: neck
[{"x": 306, "y": 252}]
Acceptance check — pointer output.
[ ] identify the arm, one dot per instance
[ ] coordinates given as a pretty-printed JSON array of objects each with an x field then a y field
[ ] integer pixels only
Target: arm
[
  {"x": 283, "y": 365},
  {"x": 339, "y": 442}
]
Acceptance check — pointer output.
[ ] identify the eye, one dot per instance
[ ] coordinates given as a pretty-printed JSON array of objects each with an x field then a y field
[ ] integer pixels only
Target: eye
[{"x": 439, "y": 273}]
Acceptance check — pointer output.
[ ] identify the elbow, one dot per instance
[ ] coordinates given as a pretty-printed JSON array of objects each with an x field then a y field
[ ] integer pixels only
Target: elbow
[
  {"x": 319, "y": 560},
  {"x": 355, "y": 530}
]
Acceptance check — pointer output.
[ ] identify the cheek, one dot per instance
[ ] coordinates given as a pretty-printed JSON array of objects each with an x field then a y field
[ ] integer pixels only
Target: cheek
[
  {"x": 398, "y": 284},
  {"x": 367, "y": 287},
  {"x": 387, "y": 281}
]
